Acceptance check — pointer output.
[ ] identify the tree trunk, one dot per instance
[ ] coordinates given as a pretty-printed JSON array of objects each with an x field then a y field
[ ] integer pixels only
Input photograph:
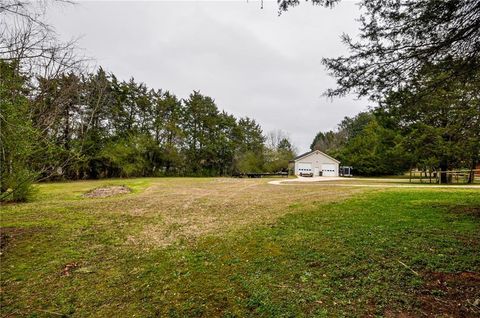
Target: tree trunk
[
  {"x": 471, "y": 175},
  {"x": 443, "y": 172}
]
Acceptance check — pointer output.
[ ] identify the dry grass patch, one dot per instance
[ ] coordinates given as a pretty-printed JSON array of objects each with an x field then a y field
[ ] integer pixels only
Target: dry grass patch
[{"x": 187, "y": 210}]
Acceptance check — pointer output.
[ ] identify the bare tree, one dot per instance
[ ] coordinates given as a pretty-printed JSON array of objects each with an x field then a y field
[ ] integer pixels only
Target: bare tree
[
  {"x": 274, "y": 137},
  {"x": 33, "y": 44}
]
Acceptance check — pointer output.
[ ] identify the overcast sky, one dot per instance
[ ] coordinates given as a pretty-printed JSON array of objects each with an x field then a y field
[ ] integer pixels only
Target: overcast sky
[{"x": 251, "y": 61}]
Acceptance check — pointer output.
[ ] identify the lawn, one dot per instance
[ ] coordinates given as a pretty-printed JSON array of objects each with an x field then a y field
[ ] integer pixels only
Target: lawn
[{"x": 220, "y": 247}]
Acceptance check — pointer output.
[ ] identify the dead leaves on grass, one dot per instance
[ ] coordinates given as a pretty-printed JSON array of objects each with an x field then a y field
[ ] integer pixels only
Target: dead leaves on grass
[
  {"x": 68, "y": 268},
  {"x": 76, "y": 267}
]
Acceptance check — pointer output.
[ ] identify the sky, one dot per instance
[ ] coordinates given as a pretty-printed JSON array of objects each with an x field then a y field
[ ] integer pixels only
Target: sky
[{"x": 250, "y": 60}]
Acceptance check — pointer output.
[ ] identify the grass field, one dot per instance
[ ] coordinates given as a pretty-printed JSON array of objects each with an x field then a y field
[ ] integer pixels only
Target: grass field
[{"x": 219, "y": 247}]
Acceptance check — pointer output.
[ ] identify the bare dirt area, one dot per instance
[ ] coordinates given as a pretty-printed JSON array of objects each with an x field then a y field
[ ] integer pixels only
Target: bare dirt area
[
  {"x": 447, "y": 295},
  {"x": 473, "y": 211},
  {"x": 451, "y": 294},
  {"x": 186, "y": 210},
  {"x": 107, "y": 192}
]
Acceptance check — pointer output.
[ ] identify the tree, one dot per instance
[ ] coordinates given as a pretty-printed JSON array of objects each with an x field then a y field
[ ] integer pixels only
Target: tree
[
  {"x": 397, "y": 38},
  {"x": 284, "y": 153},
  {"x": 250, "y": 146},
  {"x": 279, "y": 151},
  {"x": 329, "y": 141},
  {"x": 250, "y": 136},
  {"x": 167, "y": 131},
  {"x": 448, "y": 118},
  {"x": 205, "y": 139},
  {"x": 375, "y": 151},
  {"x": 33, "y": 44},
  {"x": 95, "y": 126},
  {"x": 366, "y": 144},
  {"x": 17, "y": 135},
  {"x": 55, "y": 112},
  {"x": 285, "y": 146},
  {"x": 353, "y": 126},
  {"x": 225, "y": 144},
  {"x": 130, "y": 156},
  {"x": 249, "y": 162}
]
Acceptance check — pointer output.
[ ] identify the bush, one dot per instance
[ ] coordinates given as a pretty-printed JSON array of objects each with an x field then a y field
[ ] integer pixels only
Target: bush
[
  {"x": 18, "y": 187},
  {"x": 248, "y": 163}
]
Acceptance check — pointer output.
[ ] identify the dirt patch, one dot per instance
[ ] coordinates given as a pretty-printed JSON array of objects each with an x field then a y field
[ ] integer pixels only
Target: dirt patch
[
  {"x": 446, "y": 295},
  {"x": 467, "y": 210},
  {"x": 107, "y": 192},
  {"x": 451, "y": 294}
]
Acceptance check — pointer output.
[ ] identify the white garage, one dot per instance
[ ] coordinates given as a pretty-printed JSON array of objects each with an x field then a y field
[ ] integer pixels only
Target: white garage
[{"x": 316, "y": 163}]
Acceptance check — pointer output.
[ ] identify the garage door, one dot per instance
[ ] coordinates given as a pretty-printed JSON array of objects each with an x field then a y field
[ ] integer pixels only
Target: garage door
[
  {"x": 328, "y": 170},
  {"x": 304, "y": 168}
]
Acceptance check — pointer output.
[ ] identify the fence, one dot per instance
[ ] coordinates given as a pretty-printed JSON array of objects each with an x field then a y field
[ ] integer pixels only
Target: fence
[{"x": 454, "y": 176}]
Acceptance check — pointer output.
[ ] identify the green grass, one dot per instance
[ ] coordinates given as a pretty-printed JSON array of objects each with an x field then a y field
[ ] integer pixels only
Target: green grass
[{"x": 353, "y": 257}]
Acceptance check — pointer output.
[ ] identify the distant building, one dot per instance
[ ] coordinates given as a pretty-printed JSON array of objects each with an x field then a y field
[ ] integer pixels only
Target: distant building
[{"x": 316, "y": 163}]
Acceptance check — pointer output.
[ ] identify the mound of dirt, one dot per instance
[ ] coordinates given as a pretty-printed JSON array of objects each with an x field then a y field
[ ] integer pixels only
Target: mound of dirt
[{"x": 107, "y": 192}]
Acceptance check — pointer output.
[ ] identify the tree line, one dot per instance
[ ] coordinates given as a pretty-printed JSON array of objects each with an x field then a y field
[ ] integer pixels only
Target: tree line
[
  {"x": 61, "y": 120},
  {"x": 437, "y": 130},
  {"x": 83, "y": 126}
]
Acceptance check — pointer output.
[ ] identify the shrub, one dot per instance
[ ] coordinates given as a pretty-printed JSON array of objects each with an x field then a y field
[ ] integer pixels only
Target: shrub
[{"x": 18, "y": 187}]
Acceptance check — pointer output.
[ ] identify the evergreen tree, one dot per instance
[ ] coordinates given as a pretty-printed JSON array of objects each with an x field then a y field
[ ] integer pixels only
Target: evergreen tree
[
  {"x": 447, "y": 118},
  {"x": 17, "y": 135}
]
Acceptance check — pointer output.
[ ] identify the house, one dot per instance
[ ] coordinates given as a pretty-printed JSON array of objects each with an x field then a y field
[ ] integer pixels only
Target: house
[{"x": 317, "y": 163}]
